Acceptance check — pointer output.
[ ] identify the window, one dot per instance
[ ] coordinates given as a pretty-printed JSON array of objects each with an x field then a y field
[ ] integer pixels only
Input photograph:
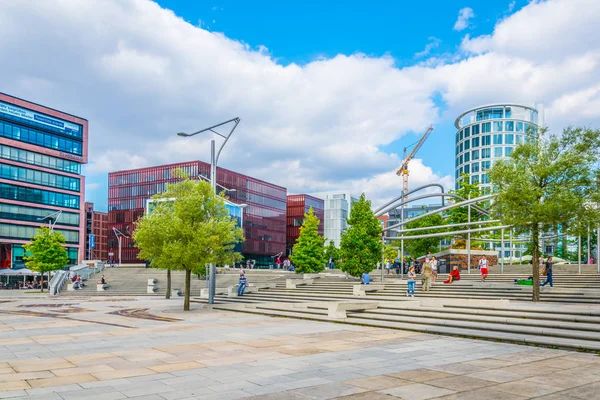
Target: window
[
  {"x": 16, "y": 132},
  {"x": 486, "y": 127},
  {"x": 485, "y": 165},
  {"x": 519, "y": 139},
  {"x": 457, "y": 139},
  {"x": 39, "y": 178},
  {"x": 466, "y": 169},
  {"x": 475, "y": 167},
  {"x": 497, "y": 151},
  {"x": 475, "y": 129},
  {"x": 486, "y": 153},
  {"x": 467, "y": 144},
  {"x": 26, "y": 232},
  {"x": 484, "y": 178},
  {"x": 467, "y": 132},
  {"x": 509, "y": 126},
  {"x": 509, "y": 138},
  {"x": 474, "y": 179},
  {"x": 507, "y": 112},
  {"x": 475, "y": 155},
  {"x": 475, "y": 142},
  {"x": 30, "y": 214},
  {"x": 508, "y": 151},
  {"x": 519, "y": 127},
  {"x": 460, "y": 147},
  {"x": 38, "y": 196},
  {"x": 461, "y": 135},
  {"x": 490, "y": 113},
  {"x": 467, "y": 157},
  {"x": 486, "y": 140},
  {"x": 498, "y": 138},
  {"x": 460, "y": 159},
  {"x": 498, "y": 126}
]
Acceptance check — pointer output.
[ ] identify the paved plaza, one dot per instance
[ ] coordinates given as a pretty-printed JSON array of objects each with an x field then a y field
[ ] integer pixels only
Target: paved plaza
[{"x": 146, "y": 348}]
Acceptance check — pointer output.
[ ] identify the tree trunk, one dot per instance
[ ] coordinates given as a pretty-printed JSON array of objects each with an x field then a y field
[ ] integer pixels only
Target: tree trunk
[
  {"x": 42, "y": 283},
  {"x": 168, "y": 295},
  {"x": 188, "y": 280},
  {"x": 535, "y": 264}
]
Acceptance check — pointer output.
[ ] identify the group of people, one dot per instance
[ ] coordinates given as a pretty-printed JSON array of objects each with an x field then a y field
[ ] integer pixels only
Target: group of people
[{"x": 77, "y": 282}]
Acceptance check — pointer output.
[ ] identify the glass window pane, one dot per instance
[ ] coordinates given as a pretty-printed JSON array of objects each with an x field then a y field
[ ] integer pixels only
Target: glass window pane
[
  {"x": 509, "y": 126},
  {"x": 498, "y": 139},
  {"x": 508, "y": 151},
  {"x": 497, "y": 151},
  {"x": 509, "y": 138},
  {"x": 498, "y": 126}
]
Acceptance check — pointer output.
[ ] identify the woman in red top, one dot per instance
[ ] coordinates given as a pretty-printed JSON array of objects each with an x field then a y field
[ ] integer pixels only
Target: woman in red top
[{"x": 454, "y": 275}]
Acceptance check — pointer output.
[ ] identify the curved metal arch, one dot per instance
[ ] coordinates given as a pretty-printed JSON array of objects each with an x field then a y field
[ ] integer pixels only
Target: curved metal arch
[
  {"x": 427, "y": 195},
  {"x": 462, "y": 203},
  {"x": 382, "y": 210}
]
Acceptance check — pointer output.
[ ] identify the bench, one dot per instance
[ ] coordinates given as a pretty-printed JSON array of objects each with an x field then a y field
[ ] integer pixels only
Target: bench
[
  {"x": 71, "y": 287},
  {"x": 294, "y": 283},
  {"x": 204, "y": 292},
  {"x": 361, "y": 290},
  {"x": 339, "y": 309},
  {"x": 100, "y": 287},
  {"x": 232, "y": 291},
  {"x": 151, "y": 285}
]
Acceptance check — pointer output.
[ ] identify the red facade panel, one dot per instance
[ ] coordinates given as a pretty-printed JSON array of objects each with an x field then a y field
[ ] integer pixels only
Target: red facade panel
[{"x": 297, "y": 206}]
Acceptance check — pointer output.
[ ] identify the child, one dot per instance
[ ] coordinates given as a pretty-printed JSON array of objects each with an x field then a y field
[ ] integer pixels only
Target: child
[
  {"x": 483, "y": 268},
  {"x": 411, "y": 282}
]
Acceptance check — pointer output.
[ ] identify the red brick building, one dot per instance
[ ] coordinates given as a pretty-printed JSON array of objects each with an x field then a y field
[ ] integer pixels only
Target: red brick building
[
  {"x": 264, "y": 216},
  {"x": 297, "y": 206},
  {"x": 97, "y": 225}
]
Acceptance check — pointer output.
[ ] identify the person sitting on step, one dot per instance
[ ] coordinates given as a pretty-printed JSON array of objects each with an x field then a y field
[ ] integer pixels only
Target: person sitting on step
[{"x": 453, "y": 276}]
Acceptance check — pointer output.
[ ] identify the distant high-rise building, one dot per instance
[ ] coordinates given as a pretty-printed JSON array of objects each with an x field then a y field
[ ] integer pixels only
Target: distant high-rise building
[
  {"x": 41, "y": 152},
  {"x": 338, "y": 205},
  {"x": 489, "y": 133},
  {"x": 297, "y": 206}
]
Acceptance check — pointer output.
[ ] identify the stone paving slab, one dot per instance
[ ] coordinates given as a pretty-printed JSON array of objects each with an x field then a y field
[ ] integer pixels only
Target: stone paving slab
[{"x": 211, "y": 354}]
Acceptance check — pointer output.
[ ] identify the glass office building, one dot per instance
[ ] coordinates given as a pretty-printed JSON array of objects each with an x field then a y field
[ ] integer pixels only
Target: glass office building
[
  {"x": 297, "y": 206},
  {"x": 41, "y": 152},
  {"x": 264, "y": 219},
  {"x": 489, "y": 133}
]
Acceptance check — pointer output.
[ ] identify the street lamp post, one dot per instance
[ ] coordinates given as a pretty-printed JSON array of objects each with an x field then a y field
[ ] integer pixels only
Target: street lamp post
[
  {"x": 214, "y": 159},
  {"x": 55, "y": 215},
  {"x": 119, "y": 234}
]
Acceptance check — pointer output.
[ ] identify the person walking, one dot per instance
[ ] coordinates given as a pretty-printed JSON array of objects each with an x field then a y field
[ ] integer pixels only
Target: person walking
[
  {"x": 426, "y": 278},
  {"x": 483, "y": 268},
  {"x": 548, "y": 270},
  {"x": 434, "y": 269},
  {"x": 410, "y": 291},
  {"x": 242, "y": 284},
  {"x": 388, "y": 265}
]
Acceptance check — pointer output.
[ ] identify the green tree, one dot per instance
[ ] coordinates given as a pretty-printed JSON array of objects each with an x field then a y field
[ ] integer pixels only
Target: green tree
[
  {"x": 308, "y": 254},
  {"x": 332, "y": 252},
  {"x": 460, "y": 215},
  {"x": 419, "y": 247},
  {"x": 548, "y": 182},
  {"x": 188, "y": 228},
  {"x": 361, "y": 245},
  {"x": 46, "y": 252},
  {"x": 390, "y": 251}
]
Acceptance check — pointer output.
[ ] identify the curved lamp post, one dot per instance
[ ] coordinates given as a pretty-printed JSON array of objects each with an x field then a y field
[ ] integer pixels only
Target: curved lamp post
[{"x": 214, "y": 159}]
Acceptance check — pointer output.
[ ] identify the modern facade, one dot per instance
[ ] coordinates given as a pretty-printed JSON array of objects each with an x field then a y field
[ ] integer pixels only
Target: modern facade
[
  {"x": 96, "y": 237},
  {"x": 264, "y": 217},
  {"x": 395, "y": 217},
  {"x": 489, "y": 133},
  {"x": 41, "y": 153},
  {"x": 338, "y": 205},
  {"x": 297, "y": 206}
]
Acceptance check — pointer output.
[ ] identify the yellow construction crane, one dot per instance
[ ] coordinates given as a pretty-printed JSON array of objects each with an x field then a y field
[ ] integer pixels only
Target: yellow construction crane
[{"x": 403, "y": 170}]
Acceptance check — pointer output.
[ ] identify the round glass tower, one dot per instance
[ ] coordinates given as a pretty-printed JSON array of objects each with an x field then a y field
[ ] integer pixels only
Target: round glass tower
[{"x": 488, "y": 133}]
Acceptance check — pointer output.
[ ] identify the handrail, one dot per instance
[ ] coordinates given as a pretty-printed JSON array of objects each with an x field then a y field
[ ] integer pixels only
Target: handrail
[{"x": 57, "y": 282}]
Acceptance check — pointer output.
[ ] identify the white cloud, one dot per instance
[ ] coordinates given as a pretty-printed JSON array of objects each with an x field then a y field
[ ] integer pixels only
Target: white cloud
[
  {"x": 320, "y": 126},
  {"x": 433, "y": 43},
  {"x": 464, "y": 15},
  {"x": 511, "y": 6}
]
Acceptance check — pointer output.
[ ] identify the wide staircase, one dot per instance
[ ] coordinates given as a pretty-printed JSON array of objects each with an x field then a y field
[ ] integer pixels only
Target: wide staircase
[
  {"x": 567, "y": 317},
  {"x": 133, "y": 281}
]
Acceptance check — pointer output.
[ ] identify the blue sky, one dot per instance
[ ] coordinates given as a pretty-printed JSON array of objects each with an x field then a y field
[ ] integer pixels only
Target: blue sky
[
  {"x": 328, "y": 93},
  {"x": 304, "y": 31}
]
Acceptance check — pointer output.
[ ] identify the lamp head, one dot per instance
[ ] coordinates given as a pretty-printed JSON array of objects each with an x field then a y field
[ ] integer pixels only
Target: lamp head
[{"x": 183, "y": 134}]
